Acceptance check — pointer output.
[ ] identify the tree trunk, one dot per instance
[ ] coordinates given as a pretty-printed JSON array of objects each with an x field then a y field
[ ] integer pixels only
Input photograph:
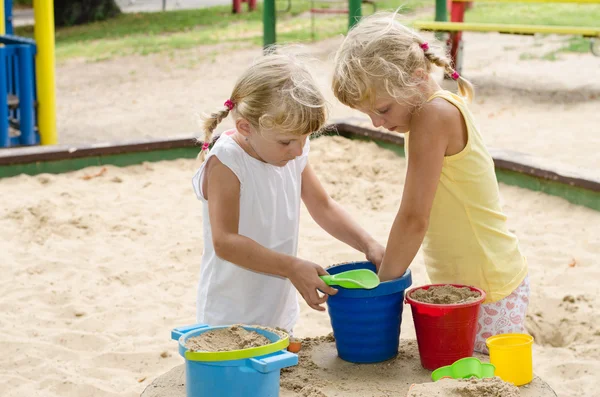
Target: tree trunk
[{"x": 77, "y": 12}]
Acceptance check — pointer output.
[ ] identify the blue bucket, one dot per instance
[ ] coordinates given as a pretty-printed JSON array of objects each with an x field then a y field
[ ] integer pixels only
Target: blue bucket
[
  {"x": 366, "y": 323},
  {"x": 254, "y": 376}
]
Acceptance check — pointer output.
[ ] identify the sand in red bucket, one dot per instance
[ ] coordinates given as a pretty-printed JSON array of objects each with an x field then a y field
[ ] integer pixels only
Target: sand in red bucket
[{"x": 445, "y": 332}]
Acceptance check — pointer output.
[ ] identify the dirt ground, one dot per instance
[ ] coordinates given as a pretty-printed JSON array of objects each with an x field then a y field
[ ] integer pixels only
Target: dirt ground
[{"x": 545, "y": 108}]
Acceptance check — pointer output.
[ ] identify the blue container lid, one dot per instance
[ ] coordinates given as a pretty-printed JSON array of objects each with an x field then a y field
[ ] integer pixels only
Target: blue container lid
[{"x": 385, "y": 288}]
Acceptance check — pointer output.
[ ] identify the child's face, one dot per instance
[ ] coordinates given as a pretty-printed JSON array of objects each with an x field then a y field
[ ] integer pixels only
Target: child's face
[
  {"x": 389, "y": 114},
  {"x": 276, "y": 148}
]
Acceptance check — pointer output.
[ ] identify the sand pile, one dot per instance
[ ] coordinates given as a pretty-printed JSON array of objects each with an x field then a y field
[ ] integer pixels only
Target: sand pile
[
  {"x": 304, "y": 378},
  {"x": 226, "y": 339},
  {"x": 320, "y": 373},
  {"x": 491, "y": 387},
  {"x": 445, "y": 295}
]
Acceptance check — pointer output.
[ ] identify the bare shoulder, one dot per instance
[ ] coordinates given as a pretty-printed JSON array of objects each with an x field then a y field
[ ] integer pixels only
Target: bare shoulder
[
  {"x": 216, "y": 169},
  {"x": 214, "y": 165},
  {"x": 437, "y": 113},
  {"x": 441, "y": 119}
]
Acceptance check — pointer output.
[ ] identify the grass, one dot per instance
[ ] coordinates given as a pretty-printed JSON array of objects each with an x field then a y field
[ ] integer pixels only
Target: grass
[
  {"x": 147, "y": 33},
  {"x": 551, "y": 14},
  {"x": 132, "y": 24},
  {"x": 535, "y": 14},
  {"x": 576, "y": 44}
]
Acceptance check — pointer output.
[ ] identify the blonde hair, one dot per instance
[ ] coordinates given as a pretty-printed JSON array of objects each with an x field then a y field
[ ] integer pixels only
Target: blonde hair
[
  {"x": 380, "y": 53},
  {"x": 277, "y": 93}
]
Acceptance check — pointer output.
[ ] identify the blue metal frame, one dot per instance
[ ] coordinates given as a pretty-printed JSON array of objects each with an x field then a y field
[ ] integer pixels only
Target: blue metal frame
[
  {"x": 17, "y": 75},
  {"x": 4, "y": 133},
  {"x": 8, "y": 18},
  {"x": 11, "y": 39},
  {"x": 26, "y": 95}
]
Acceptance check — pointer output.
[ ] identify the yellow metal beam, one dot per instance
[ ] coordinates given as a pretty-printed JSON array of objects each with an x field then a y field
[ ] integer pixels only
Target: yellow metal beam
[
  {"x": 532, "y": 1},
  {"x": 501, "y": 28},
  {"x": 45, "y": 67},
  {"x": 2, "y": 22}
]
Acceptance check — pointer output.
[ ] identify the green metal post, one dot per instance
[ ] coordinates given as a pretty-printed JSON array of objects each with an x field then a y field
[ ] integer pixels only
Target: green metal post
[
  {"x": 354, "y": 12},
  {"x": 441, "y": 15},
  {"x": 269, "y": 21}
]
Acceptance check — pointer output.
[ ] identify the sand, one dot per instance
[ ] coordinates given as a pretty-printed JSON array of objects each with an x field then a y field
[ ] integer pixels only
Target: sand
[
  {"x": 491, "y": 387},
  {"x": 226, "y": 339},
  {"x": 96, "y": 272},
  {"x": 445, "y": 295}
]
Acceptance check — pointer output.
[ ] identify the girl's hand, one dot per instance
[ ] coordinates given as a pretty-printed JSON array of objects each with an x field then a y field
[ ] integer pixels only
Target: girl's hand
[
  {"x": 374, "y": 254},
  {"x": 305, "y": 277}
]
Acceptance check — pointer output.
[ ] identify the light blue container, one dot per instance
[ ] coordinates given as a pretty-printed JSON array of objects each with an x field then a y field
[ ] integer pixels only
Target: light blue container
[
  {"x": 249, "y": 377},
  {"x": 366, "y": 322}
]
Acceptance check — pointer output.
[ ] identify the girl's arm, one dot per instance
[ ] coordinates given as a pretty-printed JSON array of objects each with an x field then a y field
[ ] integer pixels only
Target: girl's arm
[
  {"x": 223, "y": 193},
  {"x": 428, "y": 142},
  {"x": 335, "y": 220}
]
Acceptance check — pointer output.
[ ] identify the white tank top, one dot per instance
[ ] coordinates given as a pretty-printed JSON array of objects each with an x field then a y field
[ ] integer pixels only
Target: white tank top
[{"x": 269, "y": 215}]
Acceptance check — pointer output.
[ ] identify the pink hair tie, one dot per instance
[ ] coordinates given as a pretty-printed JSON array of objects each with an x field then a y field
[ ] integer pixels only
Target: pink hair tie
[
  {"x": 424, "y": 46},
  {"x": 229, "y": 104},
  {"x": 455, "y": 75},
  {"x": 205, "y": 146}
]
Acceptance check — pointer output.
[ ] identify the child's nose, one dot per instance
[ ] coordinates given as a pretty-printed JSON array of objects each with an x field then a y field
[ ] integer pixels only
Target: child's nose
[{"x": 377, "y": 121}]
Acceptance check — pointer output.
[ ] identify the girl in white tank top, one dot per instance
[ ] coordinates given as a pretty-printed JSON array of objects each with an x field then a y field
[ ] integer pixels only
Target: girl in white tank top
[{"x": 251, "y": 184}]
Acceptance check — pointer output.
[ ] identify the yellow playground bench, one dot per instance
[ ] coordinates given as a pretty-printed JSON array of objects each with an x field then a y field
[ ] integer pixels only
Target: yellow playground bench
[{"x": 457, "y": 25}]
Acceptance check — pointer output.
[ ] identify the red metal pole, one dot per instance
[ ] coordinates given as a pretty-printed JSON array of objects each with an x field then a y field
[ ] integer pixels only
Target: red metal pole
[
  {"x": 237, "y": 6},
  {"x": 457, "y": 14}
]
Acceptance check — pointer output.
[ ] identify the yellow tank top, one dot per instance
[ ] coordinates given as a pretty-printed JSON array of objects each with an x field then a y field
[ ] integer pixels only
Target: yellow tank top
[{"x": 468, "y": 241}]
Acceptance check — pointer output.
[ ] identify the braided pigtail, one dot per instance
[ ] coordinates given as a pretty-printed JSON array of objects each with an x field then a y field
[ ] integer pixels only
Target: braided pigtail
[
  {"x": 465, "y": 88},
  {"x": 210, "y": 124}
]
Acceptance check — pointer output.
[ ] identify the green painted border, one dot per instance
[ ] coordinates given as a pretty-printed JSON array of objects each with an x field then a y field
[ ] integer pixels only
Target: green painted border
[
  {"x": 399, "y": 150},
  {"x": 396, "y": 148},
  {"x": 119, "y": 160},
  {"x": 573, "y": 194}
]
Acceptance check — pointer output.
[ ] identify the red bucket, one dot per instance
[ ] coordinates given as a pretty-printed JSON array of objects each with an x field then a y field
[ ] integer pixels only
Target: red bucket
[{"x": 445, "y": 333}]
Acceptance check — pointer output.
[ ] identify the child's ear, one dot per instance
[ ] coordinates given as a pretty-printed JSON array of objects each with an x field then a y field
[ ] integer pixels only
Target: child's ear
[
  {"x": 243, "y": 127},
  {"x": 421, "y": 74}
]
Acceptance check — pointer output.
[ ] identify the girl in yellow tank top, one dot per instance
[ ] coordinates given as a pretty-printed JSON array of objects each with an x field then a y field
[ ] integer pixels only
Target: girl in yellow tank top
[{"x": 451, "y": 202}]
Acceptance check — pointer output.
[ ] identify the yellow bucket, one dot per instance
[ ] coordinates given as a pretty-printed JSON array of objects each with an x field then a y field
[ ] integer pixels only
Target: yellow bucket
[{"x": 512, "y": 356}]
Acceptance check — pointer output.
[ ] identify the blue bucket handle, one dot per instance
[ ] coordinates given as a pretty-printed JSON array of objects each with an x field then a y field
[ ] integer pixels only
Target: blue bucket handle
[
  {"x": 274, "y": 362},
  {"x": 179, "y": 331}
]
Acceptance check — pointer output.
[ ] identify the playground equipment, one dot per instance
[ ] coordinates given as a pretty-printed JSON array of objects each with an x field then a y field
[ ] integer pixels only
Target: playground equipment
[
  {"x": 237, "y": 5},
  {"x": 269, "y": 19},
  {"x": 457, "y": 25},
  {"x": 314, "y": 10},
  {"x": 28, "y": 109}
]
